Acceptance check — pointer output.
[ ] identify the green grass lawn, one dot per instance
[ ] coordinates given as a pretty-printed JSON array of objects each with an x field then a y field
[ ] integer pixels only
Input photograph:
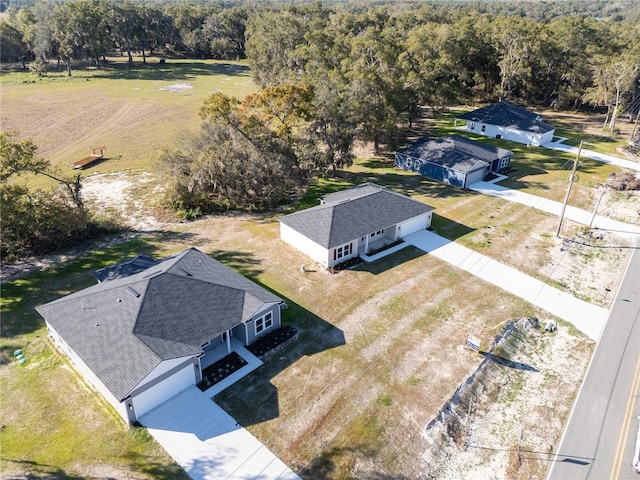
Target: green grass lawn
[
  {"x": 53, "y": 424},
  {"x": 545, "y": 172},
  {"x": 125, "y": 110}
]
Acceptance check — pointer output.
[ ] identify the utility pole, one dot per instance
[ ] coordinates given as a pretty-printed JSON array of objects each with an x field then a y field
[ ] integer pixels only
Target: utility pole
[
  {"x": 571, "y": 178},
  {"x": 595, "y": 209},
  {"x": 635, "y": 126}
]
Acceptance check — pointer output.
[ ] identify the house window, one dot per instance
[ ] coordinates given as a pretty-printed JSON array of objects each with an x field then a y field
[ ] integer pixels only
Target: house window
[
  {"x": 375, "y": 234},
  {"x": 264, "y": 322},
  {"x": 409, "y": 163},
  {"x": 342, "y": 251},
  {"x": 473, "y": 126},
  {"x": 504, "y": 163},
  {"x": 483, "y": 128}
]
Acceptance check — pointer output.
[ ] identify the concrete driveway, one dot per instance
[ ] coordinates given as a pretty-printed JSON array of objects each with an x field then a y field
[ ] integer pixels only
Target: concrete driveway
[
  {"x": 208, "y": 443},
  {"x": 600, "y": 157},
  {"x": 583, "y": 217},
  {"x": 586, "y": 317}
]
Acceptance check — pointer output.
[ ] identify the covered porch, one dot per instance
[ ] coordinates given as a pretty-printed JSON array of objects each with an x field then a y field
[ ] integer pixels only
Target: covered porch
[
  {"x": 218, "y": 349},
  {"x": 376, "y": 240}
]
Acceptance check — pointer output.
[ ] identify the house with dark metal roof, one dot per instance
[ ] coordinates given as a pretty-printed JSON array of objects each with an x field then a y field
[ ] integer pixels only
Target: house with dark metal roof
[
  {"x": 353, "y": 222},
  {"x": 505, "y": 120},
  {"x": 455, "y": 160},
  {"x": 146, "y": 331}
]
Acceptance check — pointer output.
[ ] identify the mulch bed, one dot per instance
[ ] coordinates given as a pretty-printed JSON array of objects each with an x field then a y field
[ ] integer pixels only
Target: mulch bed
[
  {"x": 272, "y": 340},
  {"x": 221, "y": 370},
  {"x": 352, "y": 262}
]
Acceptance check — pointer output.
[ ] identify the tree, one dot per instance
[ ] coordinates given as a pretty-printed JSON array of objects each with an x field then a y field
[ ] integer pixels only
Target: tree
[
  {"x": 155, "y": 30},
  {"x": 511, "y": 42},
  {"x": 11, "y": 40},
  {"x": 78, "y": 31},
  {"x": 249, "y": 155},
  {"x": 614, "y": 78},
  {"x": 37, "y": 221},
  {"x": 125, "y": 25}
]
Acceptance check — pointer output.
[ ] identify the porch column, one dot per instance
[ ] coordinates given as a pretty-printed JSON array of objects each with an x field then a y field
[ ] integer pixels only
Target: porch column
[
  {"x": 228, "y": 341},
  {"x": 366, "y": 244}
]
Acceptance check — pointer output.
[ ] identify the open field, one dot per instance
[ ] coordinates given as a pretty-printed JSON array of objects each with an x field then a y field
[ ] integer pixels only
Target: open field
[
  {"x": 379, "y": 350},
  {"x": 132, "y": 112}
]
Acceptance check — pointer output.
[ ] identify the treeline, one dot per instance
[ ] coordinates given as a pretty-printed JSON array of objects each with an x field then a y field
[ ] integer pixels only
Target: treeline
[
  {"x": 426, "y": 53},
  {"x": 336, "y": 73},
  {"x": 38, "y": 221},
  {"x": 87, "y": 30}
]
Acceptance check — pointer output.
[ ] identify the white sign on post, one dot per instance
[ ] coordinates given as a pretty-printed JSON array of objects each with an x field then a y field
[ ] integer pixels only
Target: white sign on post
[{"x": 473, "y": 343}]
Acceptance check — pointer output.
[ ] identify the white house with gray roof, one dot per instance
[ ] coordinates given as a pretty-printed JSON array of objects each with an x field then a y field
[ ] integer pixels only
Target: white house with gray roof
[
  {"x": 148, "y": 329},
  {"x": 507, "y": 121},
  {"x": 353, "y": 222}
]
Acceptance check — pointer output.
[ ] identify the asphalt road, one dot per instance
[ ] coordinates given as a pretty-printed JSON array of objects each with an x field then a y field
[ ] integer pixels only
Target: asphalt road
[{"x": 598, "y": 441}]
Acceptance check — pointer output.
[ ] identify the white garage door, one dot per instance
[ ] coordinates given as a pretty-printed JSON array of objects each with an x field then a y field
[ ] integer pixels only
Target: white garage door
[
  {"x": 475, "y": 176},
  {"x": 412, "y": 226},
  {"x": 163, "y": 391}
]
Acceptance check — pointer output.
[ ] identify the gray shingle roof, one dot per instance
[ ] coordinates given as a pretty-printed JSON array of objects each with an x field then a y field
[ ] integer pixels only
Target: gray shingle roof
[
  {"x": 455, "y": 152},
  {"x": 125, "y": 269},
  {"x": 123, "y": 328},
  {"x": 354, "y": 213},
  {"x": 507, "y": 114}
]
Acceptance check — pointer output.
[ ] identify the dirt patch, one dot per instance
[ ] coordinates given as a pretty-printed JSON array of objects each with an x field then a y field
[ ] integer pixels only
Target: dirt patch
[
  {"x": 503, "y": 423},
  {"x": 588, "y": 265},
  {"x": 177, "y": 87},
  {"x": 130, "y": 197}
]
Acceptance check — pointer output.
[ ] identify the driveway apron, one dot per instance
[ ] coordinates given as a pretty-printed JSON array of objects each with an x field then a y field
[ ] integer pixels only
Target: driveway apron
[
  {"x": 599, "y": 157},
  {"x": 208, "y": 443},
  {"x": 586, "y": 317},
  {"x": 572, "y": 213}
]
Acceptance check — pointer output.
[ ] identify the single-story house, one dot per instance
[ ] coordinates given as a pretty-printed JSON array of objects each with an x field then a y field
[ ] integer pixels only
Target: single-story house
[
  {"x": 509, "y": 122},
  {"x": 455, "y": 160},
  {"x": 146, "y": 331},
  {"x": 353, "y": 222}
]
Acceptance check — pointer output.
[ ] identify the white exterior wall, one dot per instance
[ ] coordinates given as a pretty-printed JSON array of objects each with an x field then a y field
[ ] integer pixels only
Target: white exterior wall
[
  {"x": 475, "y": 176},
  {"x": 165, "y": 389},
  {"x": 413, "y": 225},
  {"x": 305, "y": 245},
  {"x": 547, "y": 137},
  {"x": 511, "y": 134},
  {"x": 87, "y": 373},
  {"x": 354, "y": 253}
]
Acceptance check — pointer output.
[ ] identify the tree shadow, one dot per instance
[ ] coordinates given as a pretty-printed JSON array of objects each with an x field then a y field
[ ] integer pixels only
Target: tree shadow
[
  {"x": 449, "y": 229},
  {"x": 42, "y": 471},
  {"x": 154, "y": 70},
  {"x": 325, "y": 465},
  {"x": 254, "y": 399},
  {"x": 408, "y": 183},
  {"x": 505, "y": 362},
  {"x": 242, "y": 262},
  {"x": 62, "y": 277},
  {"x": 149, "y": 466},
  {"x": 232, "y": 69},
  {"x": 390, "y": 261}
]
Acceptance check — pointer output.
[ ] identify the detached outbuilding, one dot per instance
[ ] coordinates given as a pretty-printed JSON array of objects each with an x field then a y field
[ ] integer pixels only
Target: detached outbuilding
[
  {"x": 149, "y": 328},
  {"x": 454, "y": 160},
  {"x": 353, "y": 222},
  {"x": 504, "y": 120}
]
